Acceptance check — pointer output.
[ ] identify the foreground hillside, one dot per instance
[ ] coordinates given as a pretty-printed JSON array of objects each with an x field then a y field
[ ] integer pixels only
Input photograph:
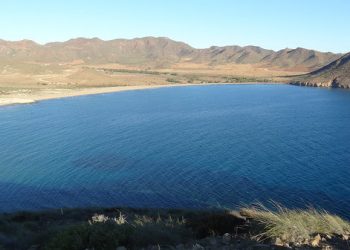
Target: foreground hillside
[
  {"x": 114, "y": 228},
  {"x": 335, "y": 75}
]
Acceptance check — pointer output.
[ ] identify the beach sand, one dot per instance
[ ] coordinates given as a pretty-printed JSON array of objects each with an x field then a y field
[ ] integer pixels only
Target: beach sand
[
  {"x": 26, "y": 96},
  {"x": 31, "y": 96}
]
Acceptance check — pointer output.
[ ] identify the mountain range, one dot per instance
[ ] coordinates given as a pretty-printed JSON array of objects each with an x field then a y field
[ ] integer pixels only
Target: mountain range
[{"x": 160, "y": 52}]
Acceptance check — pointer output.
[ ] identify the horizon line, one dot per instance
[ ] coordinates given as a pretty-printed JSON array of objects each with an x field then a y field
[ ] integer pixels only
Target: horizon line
[{"x": 164, "y": 37}]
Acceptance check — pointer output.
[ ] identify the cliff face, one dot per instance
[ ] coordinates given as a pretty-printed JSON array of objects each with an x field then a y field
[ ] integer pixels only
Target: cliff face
[{"x": 334, "y": 75}]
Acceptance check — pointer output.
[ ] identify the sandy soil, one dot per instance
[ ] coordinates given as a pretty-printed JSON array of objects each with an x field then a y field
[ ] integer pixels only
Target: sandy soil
[
  {"x": 30, "y": 96},
  {"x": 25, "y": 96},
  {"x": 28, "y": 82}
]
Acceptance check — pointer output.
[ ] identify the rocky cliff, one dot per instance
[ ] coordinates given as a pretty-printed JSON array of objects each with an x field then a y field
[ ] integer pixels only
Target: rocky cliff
[{"x": 334, "y": 75}]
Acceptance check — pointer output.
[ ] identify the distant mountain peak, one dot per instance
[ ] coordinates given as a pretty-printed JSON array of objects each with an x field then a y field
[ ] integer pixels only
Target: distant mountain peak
[{"x": 160, "y": 52}]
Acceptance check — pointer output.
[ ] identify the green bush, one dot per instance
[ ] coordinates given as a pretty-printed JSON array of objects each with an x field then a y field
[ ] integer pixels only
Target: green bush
[
  {"x": 215, "y": 224},
  {"x": 159, "y": 234},
  {"x": 105, "y": 232},
  {"x": 86, "y": 236},
  {"x": 172, "y": 80}
]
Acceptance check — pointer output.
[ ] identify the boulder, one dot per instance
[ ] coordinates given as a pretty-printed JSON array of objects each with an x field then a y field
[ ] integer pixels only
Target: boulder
[
  {"x": 316, "y": 241},
  {"x": 197, "y": 247},
  {"x": 278, "y": 242},
  {"x": 226, "y": 238}
]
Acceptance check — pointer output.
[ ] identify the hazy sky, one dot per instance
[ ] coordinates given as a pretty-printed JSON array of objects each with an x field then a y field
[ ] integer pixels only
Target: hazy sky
[{"x": 274, "y": 24}]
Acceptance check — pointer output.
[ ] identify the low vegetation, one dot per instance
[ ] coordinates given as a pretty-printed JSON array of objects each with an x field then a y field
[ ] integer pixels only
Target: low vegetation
[
  {"x": 190, "y": 77},
  {"x": 141, "y": 228},
  {"x": 295, "y": 226},
  {"x": 108, "y": 233},
  {"x": 113, "y": 71}
]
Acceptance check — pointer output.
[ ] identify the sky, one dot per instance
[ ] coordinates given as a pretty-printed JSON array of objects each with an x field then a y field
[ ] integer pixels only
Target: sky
[{"x": 272, "y": 24}]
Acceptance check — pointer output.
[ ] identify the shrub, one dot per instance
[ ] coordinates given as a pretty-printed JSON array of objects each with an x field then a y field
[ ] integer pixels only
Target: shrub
[
  {"x": 215, "y": 224},
  {"x": 295, "y": 225},
  {"x": 172, "y": 80},
  {"x": 159, "y": 234},
  {"x": 91, "y": 236},
  {"x": 103, "y": 232}
]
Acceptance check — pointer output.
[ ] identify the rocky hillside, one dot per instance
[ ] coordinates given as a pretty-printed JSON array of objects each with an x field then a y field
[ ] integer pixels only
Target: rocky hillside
[
  {"x": 137, "y": 51},
  {"x": 299, "y": 58},
  {"x": 336, "y": 75},
  {"x": 159, "y": 52}
]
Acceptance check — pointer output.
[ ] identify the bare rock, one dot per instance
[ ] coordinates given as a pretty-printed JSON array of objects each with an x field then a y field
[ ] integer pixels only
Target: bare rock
[
  {"x": 226, "y": 238},
  {"x": 197, "y": 247},
  {"x": 99, "y": 218},
  {"x": 278, "y": 242},
  {"x": 316, "y": 241}
]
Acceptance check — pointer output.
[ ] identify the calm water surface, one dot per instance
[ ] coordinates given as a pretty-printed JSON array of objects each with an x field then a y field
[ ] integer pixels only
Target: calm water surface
[{"x": 192, "y": 147}]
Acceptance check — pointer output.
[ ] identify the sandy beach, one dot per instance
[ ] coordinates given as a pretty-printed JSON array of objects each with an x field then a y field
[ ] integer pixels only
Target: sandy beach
[
  {"x": 23, "y": 96},
  {"x": 31, "y": 96}
]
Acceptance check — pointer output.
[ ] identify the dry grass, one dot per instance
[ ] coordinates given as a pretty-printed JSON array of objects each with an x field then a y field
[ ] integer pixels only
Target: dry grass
[
  {"x": 246, "y": 70},
  {"x": 136, "y": 228},
  {"x": 295, "y": 225},
  {"x": 42, "y": 75}
]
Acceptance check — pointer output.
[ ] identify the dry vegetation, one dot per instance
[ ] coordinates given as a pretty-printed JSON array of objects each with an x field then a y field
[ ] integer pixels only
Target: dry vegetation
[
  {"x": 295, "y": 226},
  {"x": 252, "y": 228},
  {"x": 38, "y": 76},
  {"x": 28, "y": 82},
  {"x": 28, "y": 71}
]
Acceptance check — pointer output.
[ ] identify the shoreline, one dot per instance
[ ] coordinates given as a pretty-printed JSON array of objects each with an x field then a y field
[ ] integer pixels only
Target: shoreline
[{"x": 21, "y": 97}]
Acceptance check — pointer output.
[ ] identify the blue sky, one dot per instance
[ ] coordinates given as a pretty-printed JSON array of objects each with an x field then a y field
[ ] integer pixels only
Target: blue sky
[{"x": 274, "y": 24}]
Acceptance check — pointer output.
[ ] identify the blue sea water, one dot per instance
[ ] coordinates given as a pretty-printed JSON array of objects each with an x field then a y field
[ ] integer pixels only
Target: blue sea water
[{"x": 183, "y": 147}]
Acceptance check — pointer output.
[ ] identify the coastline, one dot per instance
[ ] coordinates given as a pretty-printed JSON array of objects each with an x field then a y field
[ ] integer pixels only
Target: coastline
[{"x": 22, "y": 97}]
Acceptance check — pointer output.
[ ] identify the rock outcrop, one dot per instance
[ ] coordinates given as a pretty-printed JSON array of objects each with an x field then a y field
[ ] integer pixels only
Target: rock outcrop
[{"x": 334, "y": 75}]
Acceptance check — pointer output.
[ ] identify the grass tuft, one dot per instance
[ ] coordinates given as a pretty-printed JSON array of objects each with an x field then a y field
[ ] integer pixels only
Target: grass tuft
[{"x": 294, "y": 225}]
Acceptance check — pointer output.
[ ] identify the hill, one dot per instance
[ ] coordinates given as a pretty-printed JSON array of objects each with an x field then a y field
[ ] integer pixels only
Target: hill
[
  {"x": 336, "y": 74},
  {"x": 32, "y": 71},
  {"x": 159, "y": 52},
  {"x": 299, "y": 59}
]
